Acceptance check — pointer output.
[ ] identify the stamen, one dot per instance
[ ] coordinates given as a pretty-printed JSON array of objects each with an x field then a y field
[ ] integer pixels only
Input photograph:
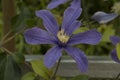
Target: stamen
[{"x": 62, "y": 36}]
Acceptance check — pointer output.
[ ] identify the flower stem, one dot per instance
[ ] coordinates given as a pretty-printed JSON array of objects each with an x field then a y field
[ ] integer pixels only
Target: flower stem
[
  {"x": 54, "y": 74},
  {"x": 117, "y": 78}
]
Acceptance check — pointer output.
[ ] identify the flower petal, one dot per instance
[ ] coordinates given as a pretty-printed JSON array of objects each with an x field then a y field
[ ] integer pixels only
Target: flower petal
[
  {"x": 79, "y": 57},
  {"x": 114, "y": 56},
  {"x": 55, "y": 3},
  {"x": 88, "y": 37},
  {"x": 115, "y": 39},
  {"x": 102, "y": 17},
  {"x": 70, "y": 16},
  {"x": 48, "y": 21},
  {"x": 52, "y": 56},
  {"x": 75, "y": 25},
  {"x": 37, "y": 36}
]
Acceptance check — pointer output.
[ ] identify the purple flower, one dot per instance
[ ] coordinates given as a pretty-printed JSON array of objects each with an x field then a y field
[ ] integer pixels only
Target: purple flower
[
  {"x": 55, "y": 3},
  {"x": 114, "y": 40},
  {"x": 102, "y": 17},
  {"x": 62, "y": 37}
]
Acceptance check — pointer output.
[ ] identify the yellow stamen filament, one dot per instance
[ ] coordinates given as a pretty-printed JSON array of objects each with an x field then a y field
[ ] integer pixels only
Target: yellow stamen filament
[{"x": 62, "y": 36}]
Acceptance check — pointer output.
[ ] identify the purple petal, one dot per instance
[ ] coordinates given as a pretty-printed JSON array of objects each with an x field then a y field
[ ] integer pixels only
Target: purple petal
[
  {"x": 88, "y": 37},
  {"x": 55, "y": 3},
  {"x": 48, "y": 21},
  {"x": 52, "y": 56},
  {"x": 102, "y": 17},
  {"x": 76, "y": 3},
  {"x": 79, "y": 57},
  {"x": 114, "y": 56},
  {"x": 75, "y": 25},
  {"x": 115, "y": 39},
  {"x": 70, "y": 16},
  {"x": 37, "y": 36}
]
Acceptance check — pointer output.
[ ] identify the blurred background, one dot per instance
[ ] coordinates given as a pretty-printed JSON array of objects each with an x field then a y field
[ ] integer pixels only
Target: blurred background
[{"x": 18, "y": 15}]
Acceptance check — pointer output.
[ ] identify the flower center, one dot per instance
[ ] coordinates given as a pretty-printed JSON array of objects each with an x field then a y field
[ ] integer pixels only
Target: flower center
[{"x": 62, "y": 36}]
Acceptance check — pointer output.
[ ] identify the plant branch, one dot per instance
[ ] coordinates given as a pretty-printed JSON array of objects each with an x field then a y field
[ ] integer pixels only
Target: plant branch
[{"x": 54, "y": 74}]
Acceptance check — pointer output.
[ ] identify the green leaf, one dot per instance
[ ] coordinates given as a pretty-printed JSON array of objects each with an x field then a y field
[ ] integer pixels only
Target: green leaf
[
  {"x": 19, "y": 58},
  {"x": 40, "y": 69},
  {"x": 109, "y": 31},
  {"x": 2, "y": 65},
  {"x": 29, "y": 76},
  {"x": 2, "y": 57},
  {"x": 12, "y": 70},
  {"x": 81, "y": 77},
  {"x": 118, "y": 50},
  {"x": 19, "y": 21},
  {"x": 9, "y": 70}
]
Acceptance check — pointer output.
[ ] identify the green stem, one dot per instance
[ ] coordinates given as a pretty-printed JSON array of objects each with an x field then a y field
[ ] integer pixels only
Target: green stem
[
  {"x": 54, "y": 75},
  {"x": 5, "y": 36},
  {"x": 6, "y": 50},
  {"x": 3, "y": 41}
]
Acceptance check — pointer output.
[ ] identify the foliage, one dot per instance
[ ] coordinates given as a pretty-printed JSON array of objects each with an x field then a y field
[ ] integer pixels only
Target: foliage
[
  {"x": 27, "y": 9},
  {"x": 9, "y": 68}
]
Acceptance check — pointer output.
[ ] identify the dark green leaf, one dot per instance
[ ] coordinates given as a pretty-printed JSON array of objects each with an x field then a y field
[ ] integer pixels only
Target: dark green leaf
[
  {"x": 9, "y": 70},
  {"x": 19, "y": 22},
  {"x": 2, "y": 65},
  {"x": 19, "y": 58},
  {"x": 2, "y": 56},
  {"x": 12, "y": 70}
]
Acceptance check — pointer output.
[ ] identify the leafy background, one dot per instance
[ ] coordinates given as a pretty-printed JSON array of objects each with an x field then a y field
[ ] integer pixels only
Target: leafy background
[{"x": 27, "y": 8}]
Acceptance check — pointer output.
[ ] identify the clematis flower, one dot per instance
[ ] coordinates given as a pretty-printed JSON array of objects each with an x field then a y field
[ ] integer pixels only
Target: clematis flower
[
  {"x": 102, "y": 17},
  {"x": 55, "y": 3},
  {"x": 62, "y": 37},
  {"x": 115, "y": 40}
]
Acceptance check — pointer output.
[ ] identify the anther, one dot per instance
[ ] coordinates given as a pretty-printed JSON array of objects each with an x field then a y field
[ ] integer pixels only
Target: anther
[{"x": 62, "y": 36}]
